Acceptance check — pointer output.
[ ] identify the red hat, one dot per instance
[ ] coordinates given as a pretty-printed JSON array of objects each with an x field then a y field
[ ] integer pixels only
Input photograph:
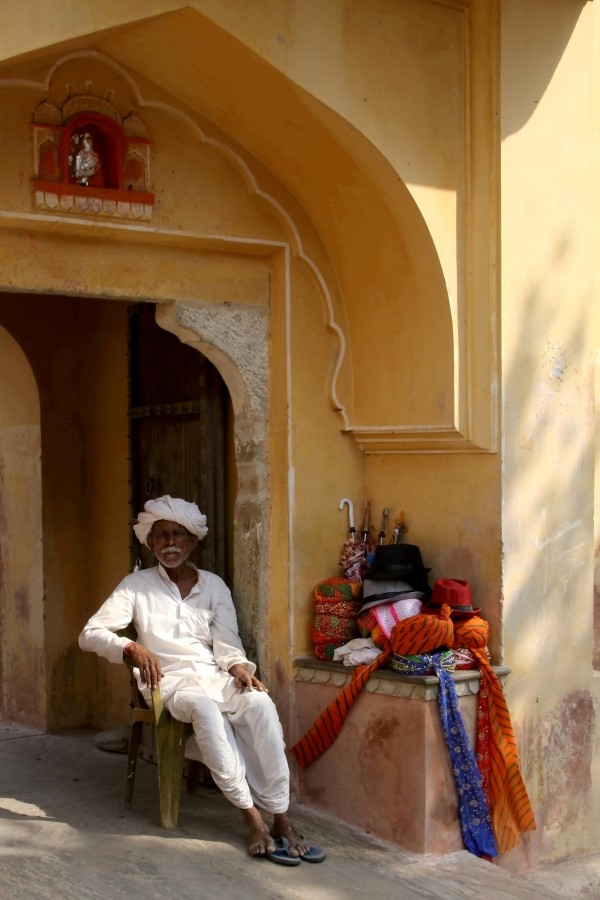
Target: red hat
[{"x": 456, "y": 594}]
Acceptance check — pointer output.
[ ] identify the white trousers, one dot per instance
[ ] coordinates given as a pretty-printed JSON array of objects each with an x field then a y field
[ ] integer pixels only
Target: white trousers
[{"x": 241, "y": 742}]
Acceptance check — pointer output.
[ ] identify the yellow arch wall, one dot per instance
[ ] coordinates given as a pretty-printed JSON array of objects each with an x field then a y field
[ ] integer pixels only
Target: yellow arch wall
[
  {"x": 437, "y": 173},
  {"x": 22, "y": 639}
]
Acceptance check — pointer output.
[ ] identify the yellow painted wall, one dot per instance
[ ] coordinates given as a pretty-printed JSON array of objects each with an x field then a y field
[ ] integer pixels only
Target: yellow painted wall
[
  {"x": 107, "y": 527},
  {"x": 366, "y": 175},
  {"x": 198, "y": 249},
  {"x": 548, "y": 355},
  {"x": 452, "y": 507},
  {"x": 22, "y": 655},
  {"x": 82, "y": 509}
]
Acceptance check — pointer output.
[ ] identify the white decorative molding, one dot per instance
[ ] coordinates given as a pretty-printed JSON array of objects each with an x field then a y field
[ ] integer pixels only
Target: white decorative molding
[
  {"x": 97, "y": 206},
  {"x": 409, "y": 687},
  {"x": 394, "y": 439}
]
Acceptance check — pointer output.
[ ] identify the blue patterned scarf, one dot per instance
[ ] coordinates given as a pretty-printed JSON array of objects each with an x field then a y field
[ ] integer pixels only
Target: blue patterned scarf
[{"x": 475, "y": 821}]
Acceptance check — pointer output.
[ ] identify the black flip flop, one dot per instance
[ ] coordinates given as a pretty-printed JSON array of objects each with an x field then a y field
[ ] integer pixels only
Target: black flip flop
[
  {"x": 314, "y": 854},
  {"x": 282, "y": 854}
]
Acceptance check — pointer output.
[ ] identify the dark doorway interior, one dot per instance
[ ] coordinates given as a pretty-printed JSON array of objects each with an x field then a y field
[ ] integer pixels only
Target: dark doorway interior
[{"x": 179, "y": 412}]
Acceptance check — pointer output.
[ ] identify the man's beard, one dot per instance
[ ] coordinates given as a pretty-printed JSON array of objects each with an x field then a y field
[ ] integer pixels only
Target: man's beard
[{"x": 175, "y": 561}]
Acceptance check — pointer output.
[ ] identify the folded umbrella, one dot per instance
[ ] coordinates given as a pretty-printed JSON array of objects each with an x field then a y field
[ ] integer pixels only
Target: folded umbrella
[{"x": 354, "y": 558}]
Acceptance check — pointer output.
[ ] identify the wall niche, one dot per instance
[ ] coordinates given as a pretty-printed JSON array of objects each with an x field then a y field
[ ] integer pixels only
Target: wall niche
[{"x": 89, "y": 159}]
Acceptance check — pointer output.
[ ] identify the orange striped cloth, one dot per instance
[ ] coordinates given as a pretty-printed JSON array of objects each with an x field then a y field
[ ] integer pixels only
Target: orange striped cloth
[
  {"x": 419, "y": 634},
  {"x": 509, "y": 804}
]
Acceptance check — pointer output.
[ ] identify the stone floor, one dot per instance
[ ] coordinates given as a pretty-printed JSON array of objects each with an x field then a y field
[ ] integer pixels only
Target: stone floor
[{"x": 65, "y": 836}]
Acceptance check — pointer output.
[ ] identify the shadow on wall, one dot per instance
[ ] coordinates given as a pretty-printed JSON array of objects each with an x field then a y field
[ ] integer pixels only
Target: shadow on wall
[
  {"x": 547, "y": 509},
  {"x": 540, "y": 39}
]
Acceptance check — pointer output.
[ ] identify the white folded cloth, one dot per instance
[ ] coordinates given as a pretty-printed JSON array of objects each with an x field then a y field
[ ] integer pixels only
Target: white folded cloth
[{"x": 357, "y": 652}]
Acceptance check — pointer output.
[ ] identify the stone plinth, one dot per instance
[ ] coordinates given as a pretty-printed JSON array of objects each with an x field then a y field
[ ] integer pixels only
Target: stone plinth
[{"x": 389, "y": 772}]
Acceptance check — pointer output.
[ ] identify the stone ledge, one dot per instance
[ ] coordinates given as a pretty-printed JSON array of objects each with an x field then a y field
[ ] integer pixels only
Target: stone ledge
[
  {"x": 384, "y": 681},
  {"x": 96, "y": 205}
]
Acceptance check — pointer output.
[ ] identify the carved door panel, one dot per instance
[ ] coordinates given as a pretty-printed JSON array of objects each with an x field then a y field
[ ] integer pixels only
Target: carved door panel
[{"x": 178, "y": 414}]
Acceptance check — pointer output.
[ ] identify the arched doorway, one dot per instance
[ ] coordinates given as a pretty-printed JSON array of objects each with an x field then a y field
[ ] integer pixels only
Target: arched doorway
[
  {"x": 180, "y": 426},
  {"x": 78, "y": 429}
]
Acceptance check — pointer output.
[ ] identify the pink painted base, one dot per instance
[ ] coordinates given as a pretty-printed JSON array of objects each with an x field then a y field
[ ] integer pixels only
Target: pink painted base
[{"x": 389, "y": 771}]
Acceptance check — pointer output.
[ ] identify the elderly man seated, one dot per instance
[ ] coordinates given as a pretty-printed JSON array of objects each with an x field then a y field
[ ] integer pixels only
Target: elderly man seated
[{"x": 188, "y": 645}]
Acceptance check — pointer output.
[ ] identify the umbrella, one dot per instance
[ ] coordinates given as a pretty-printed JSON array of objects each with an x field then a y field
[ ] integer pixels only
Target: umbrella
[
  {"x": 384, "y": 517},
  {"x": 400, "y": 528},
  {"x": 354, "y": 558}
]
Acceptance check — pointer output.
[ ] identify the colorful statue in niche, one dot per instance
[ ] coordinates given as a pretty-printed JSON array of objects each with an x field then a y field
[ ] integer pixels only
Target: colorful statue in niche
[
  {"x": 84, "y": 142},
  {"x": 84, "y": 162}
]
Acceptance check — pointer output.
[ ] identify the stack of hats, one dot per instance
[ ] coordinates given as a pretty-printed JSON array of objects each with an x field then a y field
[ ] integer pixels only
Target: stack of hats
[
  {"x": 394, "y": 589},
  {"x": 403, "y": 562},
  {"x": 397, "y": 569}
]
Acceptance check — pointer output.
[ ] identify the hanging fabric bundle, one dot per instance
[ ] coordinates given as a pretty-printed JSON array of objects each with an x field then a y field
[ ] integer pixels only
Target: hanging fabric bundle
[
  {"x": 473, "y": 811},
  {"x": 496, "y": 746}
]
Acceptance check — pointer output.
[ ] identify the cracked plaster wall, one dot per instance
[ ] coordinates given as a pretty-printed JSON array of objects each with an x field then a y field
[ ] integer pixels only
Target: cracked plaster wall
[{"x": 235, "y": 339}]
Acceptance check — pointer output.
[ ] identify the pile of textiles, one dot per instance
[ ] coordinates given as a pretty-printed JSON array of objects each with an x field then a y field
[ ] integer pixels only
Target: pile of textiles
[
  {"x": 494, "y": 808},
  {"x": 337, "y": 604}
]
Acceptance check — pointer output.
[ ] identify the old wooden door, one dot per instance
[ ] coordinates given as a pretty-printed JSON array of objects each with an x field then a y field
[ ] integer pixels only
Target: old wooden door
[{"x": 179, "y": 410}]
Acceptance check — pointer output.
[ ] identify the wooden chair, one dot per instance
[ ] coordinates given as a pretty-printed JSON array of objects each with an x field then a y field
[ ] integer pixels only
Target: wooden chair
[{"x": 169, "y": 740}]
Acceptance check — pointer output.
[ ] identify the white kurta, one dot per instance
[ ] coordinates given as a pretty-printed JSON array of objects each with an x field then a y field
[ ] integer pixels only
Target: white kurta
[{"x": 196, "y": 640}]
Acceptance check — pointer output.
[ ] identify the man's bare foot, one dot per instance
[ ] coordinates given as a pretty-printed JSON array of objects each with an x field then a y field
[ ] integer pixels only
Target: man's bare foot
[
  {"x": 259, "y": 839},
  {"x": 282, "y": 827}
]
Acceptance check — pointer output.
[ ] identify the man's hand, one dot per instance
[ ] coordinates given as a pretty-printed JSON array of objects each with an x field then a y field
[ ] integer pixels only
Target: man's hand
[
  {"x": 245, "y": 679},
  {"x": 147, "y": 663}
]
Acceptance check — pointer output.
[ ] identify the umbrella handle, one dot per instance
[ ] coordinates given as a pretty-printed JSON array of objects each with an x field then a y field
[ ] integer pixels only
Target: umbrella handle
[{"x": 348, "y": 502}]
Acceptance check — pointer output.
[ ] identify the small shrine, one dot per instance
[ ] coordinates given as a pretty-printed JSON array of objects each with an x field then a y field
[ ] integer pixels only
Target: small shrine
[{"x": 90, "y": 159}]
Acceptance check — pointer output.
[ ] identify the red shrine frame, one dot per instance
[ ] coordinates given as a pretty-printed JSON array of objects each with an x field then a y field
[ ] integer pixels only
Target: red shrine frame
[{"x": 123, "y": 171}]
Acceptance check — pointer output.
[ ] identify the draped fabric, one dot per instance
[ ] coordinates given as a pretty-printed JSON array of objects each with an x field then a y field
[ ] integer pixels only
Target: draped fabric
[
  {"x": 421, "y": 663},
  {"x": 475, "y": 821},
  {"x": 471, "y": 633},
  {"x": 419, "y": 634},
  {"x": 473, "y": 811},
  {"x": 368, "y": 626},
  {"x": 482, "y": 741},
  {"x": 321, "y": 735},
  {"x": 509, "y": 803},
  {"x": 496, "y": 748}
]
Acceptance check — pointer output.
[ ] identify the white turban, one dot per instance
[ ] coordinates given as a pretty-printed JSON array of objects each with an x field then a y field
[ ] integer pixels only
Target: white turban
[{"x": 171, "y": 509}]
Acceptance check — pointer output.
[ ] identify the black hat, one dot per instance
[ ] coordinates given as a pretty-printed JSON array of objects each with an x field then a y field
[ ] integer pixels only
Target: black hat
[
  {"x": 397, "y": 561},
  {"x": 400, "y": 562}
]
